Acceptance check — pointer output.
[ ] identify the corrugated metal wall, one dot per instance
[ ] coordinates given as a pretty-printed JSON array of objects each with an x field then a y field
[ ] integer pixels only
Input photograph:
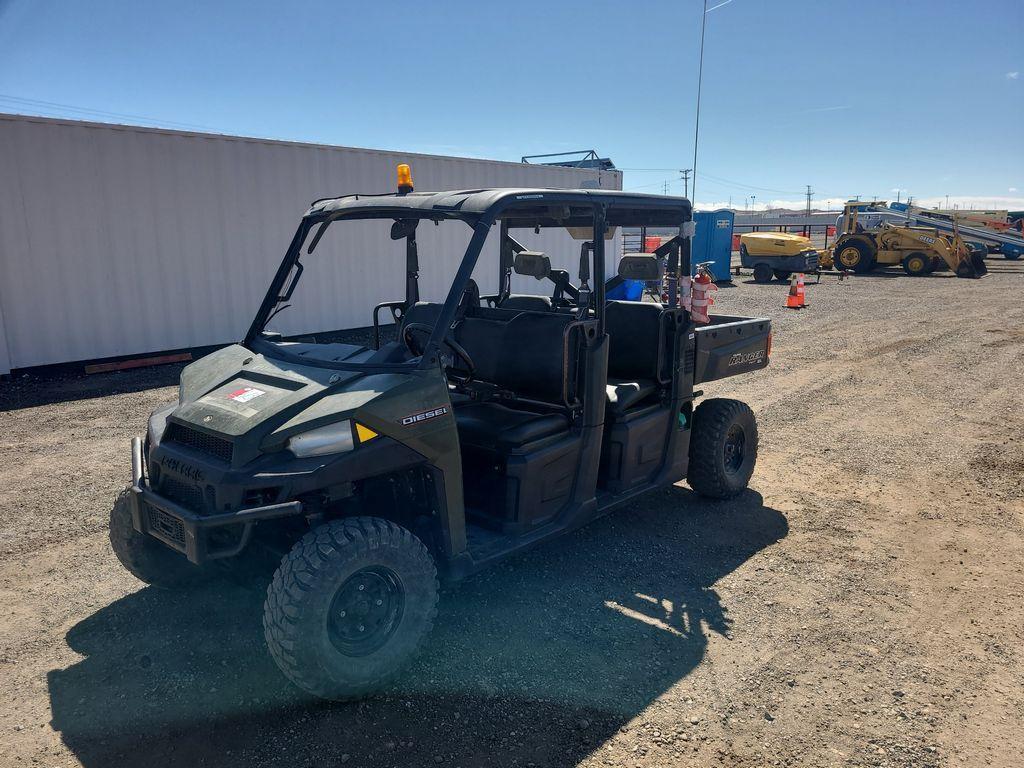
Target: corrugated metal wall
[{"x": 116, "y": 240}]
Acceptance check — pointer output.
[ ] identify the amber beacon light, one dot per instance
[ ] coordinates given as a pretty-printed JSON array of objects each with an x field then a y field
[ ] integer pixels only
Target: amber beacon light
[{"x": 404, "y": 178}]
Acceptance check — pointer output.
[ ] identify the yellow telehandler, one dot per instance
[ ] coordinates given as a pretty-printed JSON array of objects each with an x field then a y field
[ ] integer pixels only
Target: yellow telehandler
[{"x": 920, "y": 250}]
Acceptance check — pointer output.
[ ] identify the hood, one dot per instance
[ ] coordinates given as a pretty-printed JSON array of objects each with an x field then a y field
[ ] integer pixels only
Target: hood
[
  {"x": 235, "y": 391},
  {"x": 786, "y": 236}
]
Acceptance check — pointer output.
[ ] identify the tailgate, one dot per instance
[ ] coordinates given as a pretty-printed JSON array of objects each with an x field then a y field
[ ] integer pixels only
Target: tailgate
[{"x": 729, "y": 346}]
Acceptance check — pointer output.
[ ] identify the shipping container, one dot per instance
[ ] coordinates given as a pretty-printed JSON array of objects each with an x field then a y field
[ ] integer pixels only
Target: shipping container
[{"x": 119, "y": 240}]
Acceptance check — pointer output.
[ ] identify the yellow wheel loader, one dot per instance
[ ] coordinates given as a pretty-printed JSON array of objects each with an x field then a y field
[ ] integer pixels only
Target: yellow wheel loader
[{"x": 920, "y": 250}]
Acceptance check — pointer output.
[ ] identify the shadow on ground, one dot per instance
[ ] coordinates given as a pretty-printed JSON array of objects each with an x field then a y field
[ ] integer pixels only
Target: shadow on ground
[
  {"x": 61, "y": 385},
  {"x": 536, "y": 661}
]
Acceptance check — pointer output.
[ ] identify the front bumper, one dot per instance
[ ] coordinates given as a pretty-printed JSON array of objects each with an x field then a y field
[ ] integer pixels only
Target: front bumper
[{"x": 190, "y": 533}]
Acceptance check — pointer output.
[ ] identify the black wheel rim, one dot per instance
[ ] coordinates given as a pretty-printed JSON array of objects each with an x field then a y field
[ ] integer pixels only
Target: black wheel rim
[
  {"x": 366, "y": 611},
  {"x": 735, "y": 449}
]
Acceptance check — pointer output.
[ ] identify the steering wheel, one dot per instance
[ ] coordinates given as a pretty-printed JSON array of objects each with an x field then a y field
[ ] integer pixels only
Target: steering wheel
[{"x": 414, "y": 346}]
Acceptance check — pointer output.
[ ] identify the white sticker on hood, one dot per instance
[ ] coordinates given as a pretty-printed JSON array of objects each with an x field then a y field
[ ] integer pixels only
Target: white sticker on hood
[{"x": 245, "y": 394}]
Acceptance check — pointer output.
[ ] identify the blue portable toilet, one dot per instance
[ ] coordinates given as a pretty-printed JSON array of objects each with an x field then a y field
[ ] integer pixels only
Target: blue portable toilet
[{"x": 713, "y": 242}]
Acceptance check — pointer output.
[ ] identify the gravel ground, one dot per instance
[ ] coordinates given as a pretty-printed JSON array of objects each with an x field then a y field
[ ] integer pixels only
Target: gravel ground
[{"x": 859, "y": 606}]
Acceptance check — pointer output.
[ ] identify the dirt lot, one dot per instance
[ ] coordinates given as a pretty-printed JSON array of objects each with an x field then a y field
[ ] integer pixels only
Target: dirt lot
[{"x": 860, "y": 605}]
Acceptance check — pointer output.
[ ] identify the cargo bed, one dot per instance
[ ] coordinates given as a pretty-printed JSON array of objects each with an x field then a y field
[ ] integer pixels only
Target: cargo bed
[{"x": 730, "y": 345}]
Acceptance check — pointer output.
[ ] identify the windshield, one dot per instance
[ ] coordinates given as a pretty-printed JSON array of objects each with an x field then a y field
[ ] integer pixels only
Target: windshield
[
  {"x": 325, "y": 307},
  {"x": 323, "y": 312}
]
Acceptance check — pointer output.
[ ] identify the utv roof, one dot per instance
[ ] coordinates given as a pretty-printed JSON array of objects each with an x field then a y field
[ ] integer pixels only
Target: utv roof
[{"x": 626, "y": 208}]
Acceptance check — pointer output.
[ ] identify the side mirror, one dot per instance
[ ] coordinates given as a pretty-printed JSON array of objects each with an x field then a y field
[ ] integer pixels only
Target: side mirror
[
  {"x": 532, "y": 264},
  {"x": 646, "y": 268}
]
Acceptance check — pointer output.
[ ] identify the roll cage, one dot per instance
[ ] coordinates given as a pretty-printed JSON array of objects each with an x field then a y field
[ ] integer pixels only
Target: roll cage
[{"x": 536, "y": 209}]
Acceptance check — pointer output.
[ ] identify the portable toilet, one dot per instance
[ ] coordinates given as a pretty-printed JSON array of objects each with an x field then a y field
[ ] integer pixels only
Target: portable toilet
[{"x": 713, "y": 242}]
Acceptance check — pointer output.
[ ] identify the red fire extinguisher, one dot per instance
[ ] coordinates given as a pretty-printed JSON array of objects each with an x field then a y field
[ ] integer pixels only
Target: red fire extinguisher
[{"x": 701, "y": 289}]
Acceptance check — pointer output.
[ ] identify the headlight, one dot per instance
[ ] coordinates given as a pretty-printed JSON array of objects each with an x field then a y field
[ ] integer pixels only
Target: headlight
[{"x": 333, "y": 438}]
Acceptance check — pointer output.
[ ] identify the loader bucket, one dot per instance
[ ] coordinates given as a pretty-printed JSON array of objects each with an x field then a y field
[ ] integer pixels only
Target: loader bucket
[{"x": 972, "y": 267}]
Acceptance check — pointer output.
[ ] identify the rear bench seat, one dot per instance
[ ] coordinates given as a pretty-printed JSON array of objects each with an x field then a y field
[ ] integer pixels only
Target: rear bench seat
[
  {"x": 634, "y": 330},
  {"x": 535, "y": 370}
]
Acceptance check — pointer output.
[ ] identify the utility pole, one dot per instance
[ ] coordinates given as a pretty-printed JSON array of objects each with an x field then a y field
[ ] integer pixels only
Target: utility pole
[
  {"x": 686, "y": 181},
  {"x": 664, "y": 187},
  {"x": 897, "y": 195},
  {"x": 810, "y": 194},
  {"x": 947, "y": 202}
]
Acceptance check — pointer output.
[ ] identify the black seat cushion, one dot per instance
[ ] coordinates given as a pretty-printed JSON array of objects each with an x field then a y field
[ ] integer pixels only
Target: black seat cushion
[
  {"x": 493, "y": 426},
  {"x": 623, "y": 395},
  {"x": 634, "y": 330},
  {"x": 525, "y": 303}
]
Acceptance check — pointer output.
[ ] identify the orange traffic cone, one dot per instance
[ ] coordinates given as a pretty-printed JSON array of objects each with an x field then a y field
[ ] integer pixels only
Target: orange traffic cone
[{"x": 797, "y": 298}]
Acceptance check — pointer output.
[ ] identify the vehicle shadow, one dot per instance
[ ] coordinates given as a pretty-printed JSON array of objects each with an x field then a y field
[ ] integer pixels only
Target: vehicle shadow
[{"x": 539, "y": 660}]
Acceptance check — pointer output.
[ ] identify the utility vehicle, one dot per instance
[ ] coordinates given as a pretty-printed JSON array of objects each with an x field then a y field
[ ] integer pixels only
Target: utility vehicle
[{"x": 488, "y": 426}]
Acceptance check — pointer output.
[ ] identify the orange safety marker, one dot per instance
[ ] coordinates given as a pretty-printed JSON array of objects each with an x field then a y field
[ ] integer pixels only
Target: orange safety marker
[{"x": 797, "y": 298}]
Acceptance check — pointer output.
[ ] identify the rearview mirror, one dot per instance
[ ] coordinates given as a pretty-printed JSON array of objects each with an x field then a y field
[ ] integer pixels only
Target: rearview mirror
[
  {"x": 403, "y": 228},
  {"x": 587, "y": 233},
  {"x": 532, "y": 264},
  {"x": 646, "y": 268}
]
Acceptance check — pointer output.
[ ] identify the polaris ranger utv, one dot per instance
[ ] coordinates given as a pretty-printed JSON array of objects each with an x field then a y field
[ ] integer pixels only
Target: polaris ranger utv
[{"x": 489, "y": 426}]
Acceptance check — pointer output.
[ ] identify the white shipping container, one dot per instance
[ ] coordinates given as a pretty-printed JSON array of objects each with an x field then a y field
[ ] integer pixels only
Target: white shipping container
[{"x": 119, "y": 240}]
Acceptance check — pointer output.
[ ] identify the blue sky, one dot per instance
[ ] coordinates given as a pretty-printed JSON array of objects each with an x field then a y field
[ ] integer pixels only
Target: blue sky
[{"x": 853, "y": 98}]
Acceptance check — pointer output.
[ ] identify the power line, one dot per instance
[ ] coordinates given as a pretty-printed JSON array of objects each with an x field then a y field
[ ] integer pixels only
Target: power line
[
  {"x": 53, "y": 105},
  {"x": 752, "y": 186}
]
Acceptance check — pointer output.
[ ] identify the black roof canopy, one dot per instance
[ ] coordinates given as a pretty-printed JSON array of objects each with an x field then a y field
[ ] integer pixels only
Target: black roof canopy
[{"x": 519, "y": 207}]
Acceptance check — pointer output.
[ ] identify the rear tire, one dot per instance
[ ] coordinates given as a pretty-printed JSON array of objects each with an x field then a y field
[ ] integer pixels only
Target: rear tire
[
  {"x": 349, "y": 606},
  {"x": 146, "y": 558},
  {"x": 762, "y": 273},
  {"x": 781, "y": 275},
  {"x": 854, "y": 255},
  {"x": 723, "y": 448},
  {"x": 917, "y": 264}
]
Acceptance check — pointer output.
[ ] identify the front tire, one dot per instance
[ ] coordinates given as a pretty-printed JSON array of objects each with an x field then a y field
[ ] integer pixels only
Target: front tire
[
  {"x": 349, "y": 606},
  {"x": 146, "y": 558},
  {"x": 917, "y": 264},
  {"x": 723, "y": 448},
  {"x": 762, "y": 273}
]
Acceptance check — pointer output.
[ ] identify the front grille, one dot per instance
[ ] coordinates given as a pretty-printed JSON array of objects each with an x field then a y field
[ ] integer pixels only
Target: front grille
[
  {"x": 183, "y": 493},
  {"x": 212, "y": 445},
  {"x": 167, "y": 526}
]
